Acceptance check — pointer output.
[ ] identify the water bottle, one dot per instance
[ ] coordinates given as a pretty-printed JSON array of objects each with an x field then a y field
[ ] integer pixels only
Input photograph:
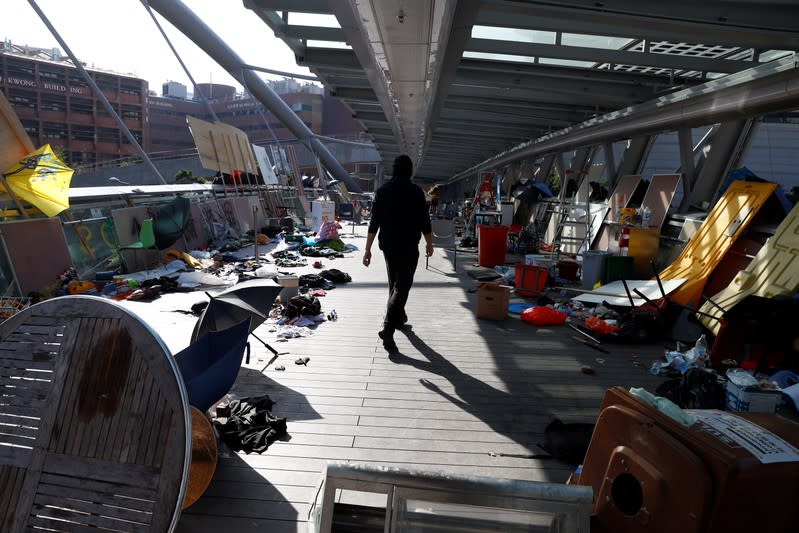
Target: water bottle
[
  {"x": 646, "y": 215},
  {"x": 700, "y": 350}
]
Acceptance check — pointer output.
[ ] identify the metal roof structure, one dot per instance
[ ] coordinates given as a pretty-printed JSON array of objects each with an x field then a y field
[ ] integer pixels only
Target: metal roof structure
[{"x": 453, "y": 83}]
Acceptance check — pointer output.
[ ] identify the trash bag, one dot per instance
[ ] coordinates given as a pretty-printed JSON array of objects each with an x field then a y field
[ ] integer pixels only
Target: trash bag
[
  {"x": 543, "y": 316},
  {"x": 596, "y": 324},
  {"x": 698, "y": 388}
]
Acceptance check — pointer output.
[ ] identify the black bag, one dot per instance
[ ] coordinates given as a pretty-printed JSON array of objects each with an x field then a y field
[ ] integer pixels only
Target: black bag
[
  {"x": 315, "y": 281},
  {"x": 336, "y": 276},
  {"x": 303, "y": 305},
  {"x": 698, "y": 388}
]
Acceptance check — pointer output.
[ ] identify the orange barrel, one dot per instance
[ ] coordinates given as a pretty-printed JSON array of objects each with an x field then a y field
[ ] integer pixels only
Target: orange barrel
[{"x": 492, "y": 242}]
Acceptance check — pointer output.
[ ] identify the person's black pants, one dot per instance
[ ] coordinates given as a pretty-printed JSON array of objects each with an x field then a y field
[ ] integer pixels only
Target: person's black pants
[{"x": 401, "y": 266}]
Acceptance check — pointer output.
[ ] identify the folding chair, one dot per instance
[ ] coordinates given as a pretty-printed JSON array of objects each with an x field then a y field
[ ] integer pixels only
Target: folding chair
[{"x": 444, "y": 236}]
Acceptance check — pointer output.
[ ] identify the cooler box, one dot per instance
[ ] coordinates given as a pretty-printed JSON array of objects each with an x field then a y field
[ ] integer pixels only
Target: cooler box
[{"x": 726, "y": 473}]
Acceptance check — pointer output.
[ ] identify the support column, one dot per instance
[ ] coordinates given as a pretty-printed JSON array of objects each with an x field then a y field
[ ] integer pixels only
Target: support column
[
  {"x": 610, "y": 165},
  {"x": 545, "y": 169},
  {"x": 632, "y": 161},
  {"x": 687, "y": 167},
  {"x": 726, "y": 150}
]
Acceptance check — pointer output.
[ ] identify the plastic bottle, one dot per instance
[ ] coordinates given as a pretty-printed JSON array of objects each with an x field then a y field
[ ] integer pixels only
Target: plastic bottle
[
  {"x": 646, "y": 216},
  {"x": 701, "y": 347}
]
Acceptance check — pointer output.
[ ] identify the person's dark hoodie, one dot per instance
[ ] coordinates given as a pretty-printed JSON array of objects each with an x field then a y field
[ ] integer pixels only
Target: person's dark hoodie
[{"x": 399, "y": 210}]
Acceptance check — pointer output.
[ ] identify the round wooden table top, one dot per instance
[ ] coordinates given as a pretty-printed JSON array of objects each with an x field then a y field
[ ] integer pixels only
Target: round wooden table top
[{"x": 203, "y": 457}]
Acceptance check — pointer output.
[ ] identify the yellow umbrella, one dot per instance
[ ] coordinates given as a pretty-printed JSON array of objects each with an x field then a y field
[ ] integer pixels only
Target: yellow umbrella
[{"x": 41, "y": 179}]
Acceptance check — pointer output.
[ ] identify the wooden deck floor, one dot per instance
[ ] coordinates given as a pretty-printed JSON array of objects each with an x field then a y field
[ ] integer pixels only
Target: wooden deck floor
[{"x": 460, "y": 393}]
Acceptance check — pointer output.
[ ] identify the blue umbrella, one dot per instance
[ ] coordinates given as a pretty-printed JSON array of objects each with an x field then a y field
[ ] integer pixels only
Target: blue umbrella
[
  {"x": 536, "y": 187},
  {"x": 210, "y": 364}
]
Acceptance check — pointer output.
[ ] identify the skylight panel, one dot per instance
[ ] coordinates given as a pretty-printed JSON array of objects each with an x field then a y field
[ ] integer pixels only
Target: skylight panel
[
  {"x": 327, "y": 44},
  {"x": 313, "y": 19},
  {"x": 565, "y": 62},
  {"x": 499, "y": 57},
  {"x": 594, "y": 41},
  {"x": 513, "y": 34}
]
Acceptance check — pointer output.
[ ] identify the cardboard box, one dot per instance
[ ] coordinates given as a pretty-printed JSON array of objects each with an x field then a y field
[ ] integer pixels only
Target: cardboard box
[
  {"x": 752, "y": 399},
  {"x": 492, "y": 301},
  {"x": 291, "y": 287}
]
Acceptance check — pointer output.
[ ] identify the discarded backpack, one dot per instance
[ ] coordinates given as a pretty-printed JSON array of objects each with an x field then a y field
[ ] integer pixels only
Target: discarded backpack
[
  {"x": 315, "y": 281},
  {"x": 302, "y": 305},
  {"x": 336, "y": 276}
]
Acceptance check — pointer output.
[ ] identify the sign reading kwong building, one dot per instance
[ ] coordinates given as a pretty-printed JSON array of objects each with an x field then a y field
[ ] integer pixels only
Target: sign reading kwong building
[{"x": 47, "y": 85}]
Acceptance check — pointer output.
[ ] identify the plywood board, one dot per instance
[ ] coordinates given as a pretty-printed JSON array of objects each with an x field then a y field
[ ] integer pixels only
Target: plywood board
[
  {"x": 222, "y": 147},
  {"x": 658, "y": 197},
  {"x": 621, "y": 194},
  {"x": 14, "y": 140},
  {"x": 28, "y": 242},
  {"x": 618, "y": 198},
  {"x": 264, "y": 165}
]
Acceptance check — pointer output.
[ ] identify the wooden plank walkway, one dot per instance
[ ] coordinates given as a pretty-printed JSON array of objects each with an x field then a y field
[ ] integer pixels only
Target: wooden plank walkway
[{"x": 460, "y": 393}]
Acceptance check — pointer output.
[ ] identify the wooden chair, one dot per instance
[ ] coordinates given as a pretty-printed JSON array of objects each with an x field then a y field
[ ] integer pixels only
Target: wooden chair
[{"x": 95, "y": 421}]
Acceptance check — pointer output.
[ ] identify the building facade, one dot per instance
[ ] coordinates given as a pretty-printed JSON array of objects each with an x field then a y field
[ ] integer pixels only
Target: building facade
[{"x": 57, "y": 107}]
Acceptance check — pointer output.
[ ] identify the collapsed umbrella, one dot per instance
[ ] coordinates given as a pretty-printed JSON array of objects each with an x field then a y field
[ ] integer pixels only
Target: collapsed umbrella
[
  {"x": 247, "y": 300},
  {"x": 41, "y": 179},
  {"x": 171, "y": 221},
  {"x": 209, "y": 366}
]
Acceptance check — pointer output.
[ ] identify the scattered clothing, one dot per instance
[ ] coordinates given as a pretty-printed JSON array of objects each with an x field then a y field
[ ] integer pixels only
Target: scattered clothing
[{"x": 250, "y": 425}]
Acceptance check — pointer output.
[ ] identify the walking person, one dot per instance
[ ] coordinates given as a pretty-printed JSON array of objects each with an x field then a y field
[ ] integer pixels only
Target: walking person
[{"x": 399, "y": 219}]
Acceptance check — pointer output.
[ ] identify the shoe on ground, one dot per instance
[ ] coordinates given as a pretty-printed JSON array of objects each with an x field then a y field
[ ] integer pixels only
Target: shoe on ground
[{"x": 388, "y": 341}]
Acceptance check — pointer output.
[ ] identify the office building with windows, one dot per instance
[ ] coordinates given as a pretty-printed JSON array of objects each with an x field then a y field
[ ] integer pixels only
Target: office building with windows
[{"x": 56, "y": 106}]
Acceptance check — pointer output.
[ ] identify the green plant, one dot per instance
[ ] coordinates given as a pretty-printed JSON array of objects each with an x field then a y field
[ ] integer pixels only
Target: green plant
[
  {"x": 553, "y": 182},
  {"x": 184, "y": 175}
]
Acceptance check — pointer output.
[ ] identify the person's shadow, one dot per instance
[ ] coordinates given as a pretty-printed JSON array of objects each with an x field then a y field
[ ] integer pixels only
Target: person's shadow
[{"x": 503, "y": 412}]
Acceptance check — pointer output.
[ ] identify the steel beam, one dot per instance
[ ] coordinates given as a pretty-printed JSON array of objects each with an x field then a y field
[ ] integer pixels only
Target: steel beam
[
  {"x": 633, "y": 158},
  {"x": 314, "y": 33},
  {"x": 331, "y": 58},
  {"x": 747, "y": 24},
  {"x": 724, "y": 154},
  {"x": 606, "y": 55},
  {"x": 296, "y": 6},
  {"x": 579, "y": 75},
  {"x": 536, "y": 97},
  {"x": 278, "y": 26},
  {"x": 197, "y": 31},
  {"x": 766, "y": 88},
  {"x": 610, "y": 91}
]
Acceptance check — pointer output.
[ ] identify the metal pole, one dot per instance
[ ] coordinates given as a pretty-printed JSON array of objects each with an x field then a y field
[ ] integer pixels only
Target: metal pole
[
  {"x": 195, "y": 29},
  {"x": 97, "y": 91}
]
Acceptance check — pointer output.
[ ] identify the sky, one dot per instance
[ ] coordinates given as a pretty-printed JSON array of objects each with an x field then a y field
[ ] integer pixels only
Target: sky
[{"x": 120, "y": 35}]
